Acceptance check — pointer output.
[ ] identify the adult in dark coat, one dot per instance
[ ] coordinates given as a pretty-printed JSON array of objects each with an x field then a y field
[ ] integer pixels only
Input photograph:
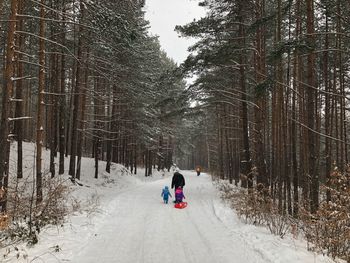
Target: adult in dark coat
[{"x": 178, "y": 180}]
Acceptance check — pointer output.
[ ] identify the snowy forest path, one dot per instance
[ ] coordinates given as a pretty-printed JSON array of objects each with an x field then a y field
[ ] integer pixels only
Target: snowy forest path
[{"x": 141, "y": 228}]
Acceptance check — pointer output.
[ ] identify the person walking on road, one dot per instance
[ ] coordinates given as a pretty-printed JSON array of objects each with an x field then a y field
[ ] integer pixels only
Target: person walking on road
[
  {"x": 198, "y": 170},
  {"x": 178, "y": 180},
  {"x": 165, "y": 194}
]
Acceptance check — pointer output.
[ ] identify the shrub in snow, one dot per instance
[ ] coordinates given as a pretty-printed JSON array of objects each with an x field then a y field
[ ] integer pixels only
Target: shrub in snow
[
  {"x": 4, "y": 221},
  {"x": 27, "y": 216},
  {"x": 329, "y": 229},
  {"x": 92, "y": 205},
  {"x": 256, "y": 207}
]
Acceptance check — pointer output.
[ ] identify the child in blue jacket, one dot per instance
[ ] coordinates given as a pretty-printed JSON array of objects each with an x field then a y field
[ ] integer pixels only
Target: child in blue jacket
[{"x": 165, "y": 194}]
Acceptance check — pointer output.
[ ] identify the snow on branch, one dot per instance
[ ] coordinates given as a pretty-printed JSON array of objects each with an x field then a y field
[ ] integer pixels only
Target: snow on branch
[
  {"x": 51, "y": 9},
  {"x": 20, "y": 118},
  {"x": 32, "y": 63},
  {"x": 20, "y": 78},
  {"x": 50, "y": 41},
  {"x": 58, "y": 21}
]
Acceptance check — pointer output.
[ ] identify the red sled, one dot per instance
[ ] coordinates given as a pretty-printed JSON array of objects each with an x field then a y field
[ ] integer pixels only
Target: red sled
[{"x": 180, "y": 205}]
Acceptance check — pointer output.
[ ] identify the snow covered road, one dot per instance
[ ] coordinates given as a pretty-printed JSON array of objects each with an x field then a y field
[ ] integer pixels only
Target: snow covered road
[
  {"x": 140, "y": 228},
  {"x": 143, "y": 229},
  {"x": 133, "y": 225}
]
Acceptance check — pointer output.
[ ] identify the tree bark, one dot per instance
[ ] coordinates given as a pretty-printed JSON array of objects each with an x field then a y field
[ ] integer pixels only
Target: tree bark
[
  {"x": 62, "y": 115},
  {"x": 19, "y": 94},
  {"x": 82, "y": 116},
  {"x": 259, "y": 112},
  {"x": 41, "y": 104},
  {"x": 311, "y": 95},
  {"x": 77, "y": 98},
  {"x": 6, "y": 104}
]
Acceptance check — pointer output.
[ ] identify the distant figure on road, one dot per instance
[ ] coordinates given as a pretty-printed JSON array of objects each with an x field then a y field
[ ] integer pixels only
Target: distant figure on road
[
  {"x": 165, "y": 194},
  {"x": 178, "y": 180},
  {"x": 198, "y": 170}
]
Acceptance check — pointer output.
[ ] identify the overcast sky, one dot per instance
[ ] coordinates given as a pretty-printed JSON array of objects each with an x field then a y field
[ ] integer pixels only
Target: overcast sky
[{"x": 164, "y": 15}]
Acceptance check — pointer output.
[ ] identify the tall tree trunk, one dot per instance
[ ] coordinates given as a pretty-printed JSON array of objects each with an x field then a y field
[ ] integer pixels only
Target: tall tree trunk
[
  {"x": 97, "y": 153},
  {"x": 245, "y": 119},
  {"x": 41, "y": 104},
  {"x": 259, "y": 112},
  {"x": 160, "y": 153},
  {"x": 19, "y": 94},
  {"x": 110, "y": 136},
  {"x": 6, "y": 104},
  {"x": 296, "y": 81},
  {"x": 311, "y": 96},
  {"x": 145, "y": 158},
  {"x": 62, "y": 114},
  {"x": 81, "y": 121},
  {"x": 221, "y": 145},
  {"x": 97, "y": 134},
  {"x": 77, "y": 99},
  {"x": 52, "y": 112},
  {"x": 339, "y": 48},
  {"x": 150, "y": 160},
  {"x": 328, "y": 128}
]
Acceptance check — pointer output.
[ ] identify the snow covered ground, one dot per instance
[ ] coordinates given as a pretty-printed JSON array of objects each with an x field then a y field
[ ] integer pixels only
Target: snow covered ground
[{"x": 125, "y": 221}]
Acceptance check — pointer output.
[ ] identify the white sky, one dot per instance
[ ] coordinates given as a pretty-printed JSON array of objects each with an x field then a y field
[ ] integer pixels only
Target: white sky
[{"x": 164, "y": 15}]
